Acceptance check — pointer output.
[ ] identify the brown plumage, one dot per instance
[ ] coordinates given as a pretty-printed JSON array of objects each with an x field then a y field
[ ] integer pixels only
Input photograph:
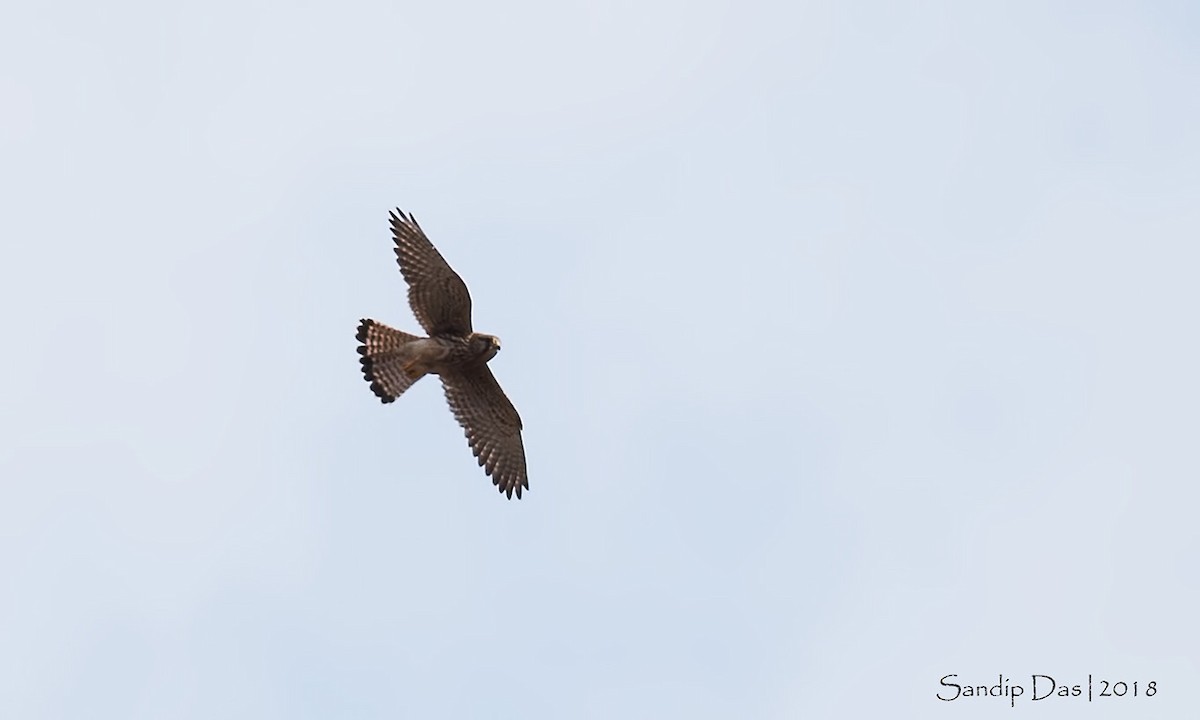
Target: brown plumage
[{"x": 392, "y": 360}]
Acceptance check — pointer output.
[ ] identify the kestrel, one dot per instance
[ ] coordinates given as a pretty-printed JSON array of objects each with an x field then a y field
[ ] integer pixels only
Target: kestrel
[{"x": 392, "y": 360}]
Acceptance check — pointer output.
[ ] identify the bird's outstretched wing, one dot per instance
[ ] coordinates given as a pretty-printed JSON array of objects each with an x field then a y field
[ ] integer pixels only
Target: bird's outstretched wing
[
  {"x": 438, "y": 296},
  {"x": 491, "y": 424}
]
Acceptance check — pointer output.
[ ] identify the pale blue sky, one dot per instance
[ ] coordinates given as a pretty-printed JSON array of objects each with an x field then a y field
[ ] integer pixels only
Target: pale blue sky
[{"x": 855, "y": 343}]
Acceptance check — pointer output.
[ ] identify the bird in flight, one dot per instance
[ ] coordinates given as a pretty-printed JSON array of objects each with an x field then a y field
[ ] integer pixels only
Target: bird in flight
[{"x": 392, "y": 360}]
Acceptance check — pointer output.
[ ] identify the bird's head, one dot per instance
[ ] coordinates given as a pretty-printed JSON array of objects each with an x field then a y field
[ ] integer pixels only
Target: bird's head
[{"x": 486, "y": 345}]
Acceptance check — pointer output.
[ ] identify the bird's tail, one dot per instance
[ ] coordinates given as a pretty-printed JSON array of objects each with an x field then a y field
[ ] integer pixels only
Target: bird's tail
[{"x": 383, "y": 359}]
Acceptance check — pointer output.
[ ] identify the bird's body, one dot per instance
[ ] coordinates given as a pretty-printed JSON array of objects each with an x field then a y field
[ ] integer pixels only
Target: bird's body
[
  {"x": 392, "y": 360},
  {"x": 438, "y": 355}
]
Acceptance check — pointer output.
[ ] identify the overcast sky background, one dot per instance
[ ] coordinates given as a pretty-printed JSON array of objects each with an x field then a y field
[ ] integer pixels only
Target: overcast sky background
[{"x": 855, "y": 344}]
